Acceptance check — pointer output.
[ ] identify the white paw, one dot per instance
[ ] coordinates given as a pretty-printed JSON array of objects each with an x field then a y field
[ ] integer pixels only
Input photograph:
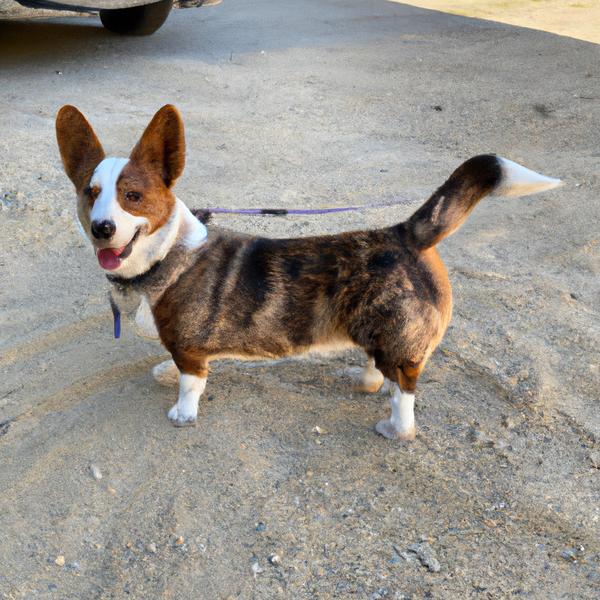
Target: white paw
[
  {"x": 181, "y": 416},
  {"x": 166, "y": 373},
  {"x": 387, "y": 430}
]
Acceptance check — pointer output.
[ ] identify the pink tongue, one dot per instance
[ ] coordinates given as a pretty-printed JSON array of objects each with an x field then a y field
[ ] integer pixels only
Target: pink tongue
[{"x": 109, "y": 258}]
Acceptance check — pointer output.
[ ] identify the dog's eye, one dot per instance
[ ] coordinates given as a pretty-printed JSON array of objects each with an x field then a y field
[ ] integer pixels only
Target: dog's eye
[
  {"x": 91, "y": 192},
  {"x": 133, "y": 196}
]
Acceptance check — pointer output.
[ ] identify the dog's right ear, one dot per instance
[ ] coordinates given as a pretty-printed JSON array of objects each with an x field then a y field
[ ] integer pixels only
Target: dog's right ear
[{"x": 80, "y": 150}]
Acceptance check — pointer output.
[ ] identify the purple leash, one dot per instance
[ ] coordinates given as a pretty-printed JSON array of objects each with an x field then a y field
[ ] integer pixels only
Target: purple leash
[{"x": 280, "y": 212}]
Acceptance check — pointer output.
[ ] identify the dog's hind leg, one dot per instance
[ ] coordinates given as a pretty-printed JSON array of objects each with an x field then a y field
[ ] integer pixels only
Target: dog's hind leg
[
  {"x": 401, "y": 424},
  {"x": 166, "y": 373},
  {"x": 371, "y": 378},
  {"x": 368, "y": 379}
]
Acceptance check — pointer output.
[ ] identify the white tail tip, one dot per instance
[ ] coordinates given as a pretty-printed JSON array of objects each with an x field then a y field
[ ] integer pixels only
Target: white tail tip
[{"x": 521, "y": 181}]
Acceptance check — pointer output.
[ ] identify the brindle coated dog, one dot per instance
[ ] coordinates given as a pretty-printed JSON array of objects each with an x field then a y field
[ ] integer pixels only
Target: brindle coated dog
[{"x": 215, "y": 294}]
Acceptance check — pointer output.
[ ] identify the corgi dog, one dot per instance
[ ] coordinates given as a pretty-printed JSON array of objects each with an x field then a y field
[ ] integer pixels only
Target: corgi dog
[{"x": 211, "y": 293}]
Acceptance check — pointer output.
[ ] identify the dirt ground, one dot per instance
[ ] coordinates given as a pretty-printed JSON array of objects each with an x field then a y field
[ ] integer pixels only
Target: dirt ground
[
  {"x": 311, "y": 104},
  {"x": 575, "y": 18}
]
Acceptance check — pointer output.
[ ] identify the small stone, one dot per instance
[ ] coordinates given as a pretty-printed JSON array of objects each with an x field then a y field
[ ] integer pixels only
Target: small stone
[
  {"x": 256, "y": 570},
  {"x": 426, "y": 554},
  {"x": 274, "y": 559},
  {"x": 179, "y": 541},
  {"x": 111, "y": 490},
  {"x": 595, "y": 459},
  {"x": 60, "y": 560},
  {"x": 151, "y": 547},
  {"x": 507, "y": 422},
  {"x": 501, "y": 444},
  {"x": 260, "y": 527},
  {"x": 477, "y": 436},
  {"x": 96, "y": 472},
  {"x": 572, "y": 554},
  {"x": 319, "y": 430},
  {"x": 379, "y": 594},
  {"x": 72, "y": 566},
  {"x": 129, "y": 545}
]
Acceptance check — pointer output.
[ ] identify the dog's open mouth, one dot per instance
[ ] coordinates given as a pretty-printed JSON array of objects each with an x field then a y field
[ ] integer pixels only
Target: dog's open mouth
[{"x": 111, "y": 258}]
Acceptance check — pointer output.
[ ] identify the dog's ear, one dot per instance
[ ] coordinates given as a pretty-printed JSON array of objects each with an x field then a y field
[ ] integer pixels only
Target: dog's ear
[
  {"x": 162, "y": 145},
  {"x": 79, "y": 147}
]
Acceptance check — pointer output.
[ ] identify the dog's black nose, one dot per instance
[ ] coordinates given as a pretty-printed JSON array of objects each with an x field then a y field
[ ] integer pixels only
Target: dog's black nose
[{"x": 103, "y": 229}]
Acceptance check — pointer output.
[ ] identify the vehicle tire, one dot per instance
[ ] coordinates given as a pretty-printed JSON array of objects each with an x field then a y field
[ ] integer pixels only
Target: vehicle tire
[{"x": 137, "y": 20}]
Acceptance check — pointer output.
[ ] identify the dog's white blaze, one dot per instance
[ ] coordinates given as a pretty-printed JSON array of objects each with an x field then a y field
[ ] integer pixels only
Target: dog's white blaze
[
  {"x": 106, "y": 206},
  {"x": 518, "y": 180},
  {"x": 186, "y": 409}
]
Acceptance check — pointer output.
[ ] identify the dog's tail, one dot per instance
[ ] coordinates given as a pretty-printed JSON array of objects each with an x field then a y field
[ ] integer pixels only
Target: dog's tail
[{"x": 452, "y": 203}]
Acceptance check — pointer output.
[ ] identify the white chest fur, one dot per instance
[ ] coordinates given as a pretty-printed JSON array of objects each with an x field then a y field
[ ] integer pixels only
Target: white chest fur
[{"x": 144, "y": 320}]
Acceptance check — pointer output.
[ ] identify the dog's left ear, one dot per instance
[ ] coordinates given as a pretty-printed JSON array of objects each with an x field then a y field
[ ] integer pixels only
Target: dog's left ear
[{"x": 162, "y": 145}]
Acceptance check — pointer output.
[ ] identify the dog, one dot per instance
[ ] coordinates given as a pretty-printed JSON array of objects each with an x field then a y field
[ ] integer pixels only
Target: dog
[{"x": 211, "y": 293}]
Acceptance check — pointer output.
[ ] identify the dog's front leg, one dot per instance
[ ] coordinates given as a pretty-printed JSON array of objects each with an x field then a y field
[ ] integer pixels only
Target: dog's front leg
[
  {"x": 401, "y": 424},
  {"x": 184, "y": 413}
]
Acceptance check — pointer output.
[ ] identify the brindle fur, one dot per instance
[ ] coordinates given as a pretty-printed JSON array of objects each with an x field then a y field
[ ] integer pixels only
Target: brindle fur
[
  {"x": 257, "y": 297},
  {"x": 385, "y": 291}
]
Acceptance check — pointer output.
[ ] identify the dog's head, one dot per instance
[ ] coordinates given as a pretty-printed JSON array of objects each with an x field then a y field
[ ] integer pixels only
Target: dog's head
[{"x": 123, "y": 203}]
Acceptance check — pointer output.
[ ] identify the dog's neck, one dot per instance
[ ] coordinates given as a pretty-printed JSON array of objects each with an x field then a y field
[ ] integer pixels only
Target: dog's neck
[{"x": 165, "y": 256}]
